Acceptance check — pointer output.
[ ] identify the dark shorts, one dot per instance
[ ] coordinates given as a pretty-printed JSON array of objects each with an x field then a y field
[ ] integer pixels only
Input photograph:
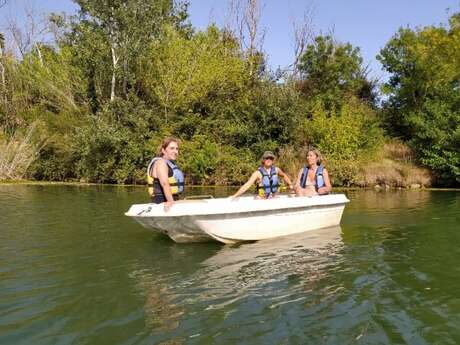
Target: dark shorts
[{"x": 159, "y": 198}]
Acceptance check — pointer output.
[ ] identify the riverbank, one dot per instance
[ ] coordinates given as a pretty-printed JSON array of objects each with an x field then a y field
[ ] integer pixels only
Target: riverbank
[
  {"x": 336, "y": 188},
  {"x": 392, "y": 167}
]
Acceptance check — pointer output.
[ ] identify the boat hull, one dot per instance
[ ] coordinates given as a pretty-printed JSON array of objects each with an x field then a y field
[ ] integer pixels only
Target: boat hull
[
  {"x": 254, "y": 220},
  {"x": 262, "y": 225}
]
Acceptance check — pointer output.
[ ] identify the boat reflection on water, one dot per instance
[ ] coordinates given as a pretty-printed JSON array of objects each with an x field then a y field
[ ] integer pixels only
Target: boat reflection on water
[
  {"x": 231, "y": 258},
  {"x": 255, "y": 264},
  {"x": 280, "y": 271}
]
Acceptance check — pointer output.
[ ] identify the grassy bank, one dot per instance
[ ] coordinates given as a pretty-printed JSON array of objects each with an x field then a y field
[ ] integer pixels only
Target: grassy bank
[{"x": 394, "y": 166}]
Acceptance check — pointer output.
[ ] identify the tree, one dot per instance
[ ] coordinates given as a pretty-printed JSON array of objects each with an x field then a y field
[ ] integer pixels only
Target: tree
[
  {"x": 334, "y": 70},
  {"x": 127, "y": 27},
  {"x": 244, "y": 23},
  {"x": 303, "y": 34},
  {"x": 424, "y": 94},
  {"x": 181, "y": 72}
]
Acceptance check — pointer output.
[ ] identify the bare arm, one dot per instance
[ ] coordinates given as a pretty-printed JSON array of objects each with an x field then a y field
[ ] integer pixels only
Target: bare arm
[
  {"x": 297, "y": 181},
  {"x": 285, "y": 177},
  {"x": 327, "y": 184},
  {"x": 162, "y": 173},
  {"x": 247, "y": 185}
]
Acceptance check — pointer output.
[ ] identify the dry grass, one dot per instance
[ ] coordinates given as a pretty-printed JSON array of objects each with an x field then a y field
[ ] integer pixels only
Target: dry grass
[
  {"x": 398, "y": 151},
  {"x": 17, "y": 154},
  {"x": 291, "y": 160},
  {"x": 394, "y": 166}
]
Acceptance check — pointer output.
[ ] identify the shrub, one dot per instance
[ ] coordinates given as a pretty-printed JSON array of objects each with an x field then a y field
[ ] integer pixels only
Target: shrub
[
  {"x": 347, "y": 137},
  {"x": 207, "y": 162}
]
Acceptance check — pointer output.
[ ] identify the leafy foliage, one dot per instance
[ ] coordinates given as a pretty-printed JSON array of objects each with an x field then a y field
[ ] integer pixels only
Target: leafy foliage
[
  {"x": 125, "y": 74},
  {"x": 334, "y": 71},
  {"x": 424, "y": 95},
  {"x": 347, "y": 137},
  {"x": 181, "y": 72}
]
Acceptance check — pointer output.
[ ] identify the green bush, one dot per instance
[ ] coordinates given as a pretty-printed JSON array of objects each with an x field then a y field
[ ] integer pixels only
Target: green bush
[
  {"x": 107, "y": 153},
  {"x": 206, "y": 162},
  {"x": 115, "y": 146},
  {"x": 346, "y": 137},
  {"x": 438, "y": 138}
]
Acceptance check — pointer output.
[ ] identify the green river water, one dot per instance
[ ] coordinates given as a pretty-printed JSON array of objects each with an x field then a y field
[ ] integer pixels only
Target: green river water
[{"x": 75, "y": 270}]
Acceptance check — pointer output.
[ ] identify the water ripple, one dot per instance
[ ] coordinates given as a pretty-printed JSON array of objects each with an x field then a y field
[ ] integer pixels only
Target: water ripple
[{"x": 73, "y": 270}]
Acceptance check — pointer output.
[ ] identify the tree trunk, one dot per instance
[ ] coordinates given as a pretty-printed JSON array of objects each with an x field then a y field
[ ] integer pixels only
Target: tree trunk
[
  {"x": 2, "y": 67},
  {"x": 3, "y": 92},
  {"x": 114, "y": 71},
  {"x": 112, "y": 88},
  {"x": 125, "y": 77},
  {"x": 2, "y": 73},
  {"x": 39, "y": 54}
]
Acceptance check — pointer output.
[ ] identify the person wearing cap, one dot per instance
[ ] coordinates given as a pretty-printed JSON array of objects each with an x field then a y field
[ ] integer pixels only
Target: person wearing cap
[{"x": 266, "y": 178}]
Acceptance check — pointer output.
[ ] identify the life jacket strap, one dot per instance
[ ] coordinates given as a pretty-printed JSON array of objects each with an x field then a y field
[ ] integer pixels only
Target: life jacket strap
[
  {"x": 318, "y": 173},
  {"x": 272, "y": 186}
]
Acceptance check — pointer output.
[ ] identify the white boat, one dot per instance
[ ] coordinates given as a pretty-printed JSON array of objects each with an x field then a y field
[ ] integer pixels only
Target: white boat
[{"x": 243, "y": 219}]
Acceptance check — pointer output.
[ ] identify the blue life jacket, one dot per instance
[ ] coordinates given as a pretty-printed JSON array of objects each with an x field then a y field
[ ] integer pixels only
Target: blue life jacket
[
  {"x": 270, "y": 182},
  {"x": 318, "y": 177},
  {"x": 176, "y": 180}
]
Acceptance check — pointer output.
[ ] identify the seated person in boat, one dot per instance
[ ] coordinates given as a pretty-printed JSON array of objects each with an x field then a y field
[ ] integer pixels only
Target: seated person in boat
[
  {"x": 266, "y": 178},
  {"x": 313, "y": 178},
  {"x": 164, "y": 178}
]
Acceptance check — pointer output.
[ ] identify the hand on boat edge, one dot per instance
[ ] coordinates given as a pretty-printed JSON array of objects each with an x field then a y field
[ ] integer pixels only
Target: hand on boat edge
[{"x": 168, "y": 205}]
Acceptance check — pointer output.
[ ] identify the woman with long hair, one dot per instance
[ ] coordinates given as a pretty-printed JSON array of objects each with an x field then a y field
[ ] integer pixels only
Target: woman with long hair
[
  {"x": 164, "y": 178},
  {"x": 313, "y": 178}
]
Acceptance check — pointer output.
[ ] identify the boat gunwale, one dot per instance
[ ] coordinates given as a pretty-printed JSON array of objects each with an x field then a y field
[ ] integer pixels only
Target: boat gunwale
[{"x": 242, "y": 212}]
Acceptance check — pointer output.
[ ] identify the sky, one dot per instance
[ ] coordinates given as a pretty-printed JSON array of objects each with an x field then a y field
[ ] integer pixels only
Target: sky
[{"x": 367, "y": 24}]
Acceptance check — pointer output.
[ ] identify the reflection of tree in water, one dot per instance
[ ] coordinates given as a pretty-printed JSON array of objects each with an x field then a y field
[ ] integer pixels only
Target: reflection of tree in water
[
  {"x": 161, "y": 278},
  {"x": 161, "y": 311},
  {"x": 179, "y": 341},
  {"x": 385, "y": 201}
]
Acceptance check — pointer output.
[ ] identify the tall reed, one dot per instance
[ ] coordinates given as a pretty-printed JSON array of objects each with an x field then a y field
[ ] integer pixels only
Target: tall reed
[{"x": 17, "y": 153}]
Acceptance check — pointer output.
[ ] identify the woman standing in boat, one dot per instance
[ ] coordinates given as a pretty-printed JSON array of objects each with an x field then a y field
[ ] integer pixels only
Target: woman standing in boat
[
  {"x": 266, "y": 178},
  {"x": 313, "y": 178},
  {"x": 164, "y": 178}
]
